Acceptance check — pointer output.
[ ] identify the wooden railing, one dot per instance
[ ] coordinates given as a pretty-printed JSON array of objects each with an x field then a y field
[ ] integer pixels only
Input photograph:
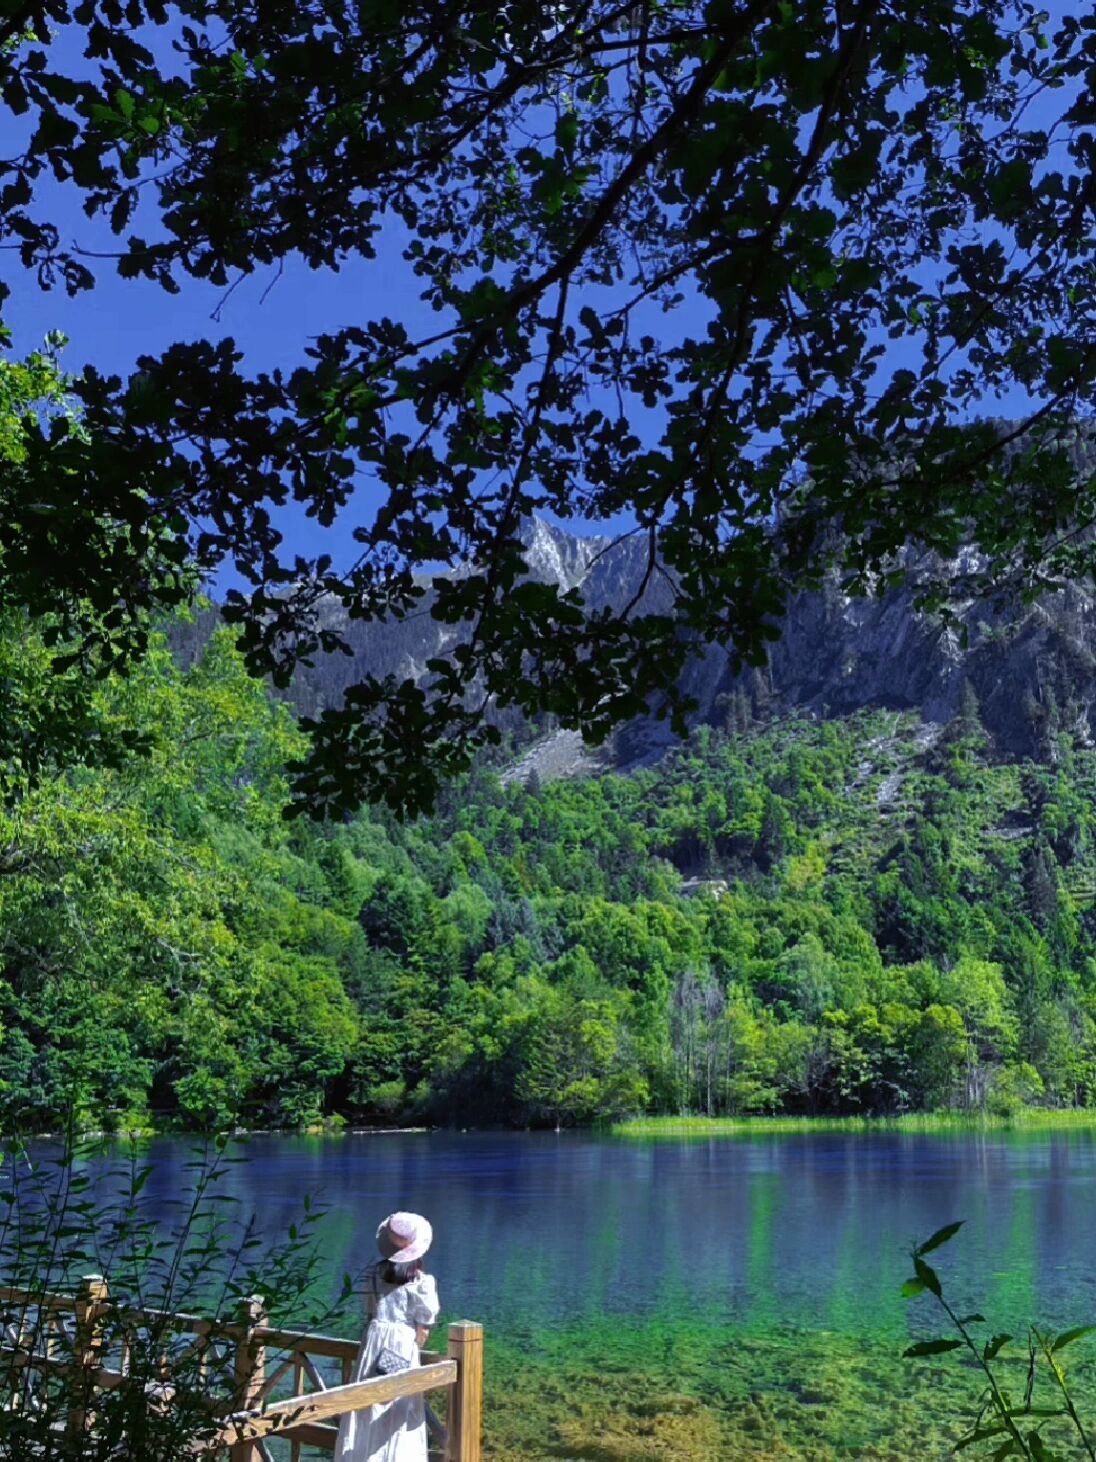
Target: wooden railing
[{"x": 68, "y": 1334}]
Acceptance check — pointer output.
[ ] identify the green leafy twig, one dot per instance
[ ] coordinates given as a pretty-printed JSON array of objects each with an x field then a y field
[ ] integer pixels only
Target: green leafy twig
[
  {"x": 926, "y": 1278},
  {"x": 1050, "y": 1348},
  {"x": 1005, "y": 1430}
]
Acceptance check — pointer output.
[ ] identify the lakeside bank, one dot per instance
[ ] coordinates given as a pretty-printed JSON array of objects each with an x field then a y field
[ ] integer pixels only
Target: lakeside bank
[
  {"x": 1044, "y": 1119},
  {"x": 774, "y": 1330}
]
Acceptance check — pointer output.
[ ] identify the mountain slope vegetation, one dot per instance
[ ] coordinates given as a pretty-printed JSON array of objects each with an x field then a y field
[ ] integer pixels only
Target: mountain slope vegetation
[{"x": 866, "y": 914}]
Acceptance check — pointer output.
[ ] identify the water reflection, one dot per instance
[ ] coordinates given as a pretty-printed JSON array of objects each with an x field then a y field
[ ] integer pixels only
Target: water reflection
[{"x": 534, "y": 1230}]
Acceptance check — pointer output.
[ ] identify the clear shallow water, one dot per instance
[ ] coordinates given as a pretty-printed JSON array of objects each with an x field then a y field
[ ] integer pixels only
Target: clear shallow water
[
  {"x": 537, "y": 1229},
  {"x": 750, "y": 1283}
]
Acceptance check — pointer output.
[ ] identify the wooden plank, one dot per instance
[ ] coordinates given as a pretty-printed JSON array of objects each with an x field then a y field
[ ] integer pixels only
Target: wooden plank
[
  {"x": 269, "y": 1335},
  {"x": 312, "y": 1434},
  {"x": 466, "y": 1398},
  {"x": 108, "y": 1379},
  {"x": 184, "y": 1323},
  {"x": 249, "y": 1426},
  {"x": 334, "y": 1346},
  {"x": 314, "y": 1375},
  {"x": 32, "y": 1360},
  {"x": 36, "y": 1297},
  {"x": 91, "y": 1306},
  {"x": 329, "y": 1345},
  {"x": 298, "y": 1390},
  {"x": 292, "y": 1362},
  {"x": 250, "y": 1371}
]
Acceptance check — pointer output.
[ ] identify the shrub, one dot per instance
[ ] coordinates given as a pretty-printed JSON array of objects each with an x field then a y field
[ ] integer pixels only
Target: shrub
[{"x": 83, "y": 1208}]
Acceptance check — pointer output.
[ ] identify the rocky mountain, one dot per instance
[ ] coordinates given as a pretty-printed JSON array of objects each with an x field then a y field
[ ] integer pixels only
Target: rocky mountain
[
  {"x": 605, "y": 570},
  {"x": 1032, "y": 669}
]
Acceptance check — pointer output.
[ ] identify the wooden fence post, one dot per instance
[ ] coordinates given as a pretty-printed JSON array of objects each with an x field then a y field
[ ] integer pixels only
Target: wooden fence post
[
  {"x": 466, "y": 1395},
  {"x": 92, "y": 1300},
  {"x": 250, "y": 1369}
]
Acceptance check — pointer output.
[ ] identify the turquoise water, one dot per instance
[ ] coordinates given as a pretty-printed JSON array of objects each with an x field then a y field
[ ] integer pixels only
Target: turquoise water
[
  {"x": 536, "y": 1229},
  {"x": 732, "y": 1296}
]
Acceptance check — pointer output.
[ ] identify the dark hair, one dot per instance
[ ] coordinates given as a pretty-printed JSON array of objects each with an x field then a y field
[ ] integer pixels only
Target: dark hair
[{"x": 393, "y": 1273}]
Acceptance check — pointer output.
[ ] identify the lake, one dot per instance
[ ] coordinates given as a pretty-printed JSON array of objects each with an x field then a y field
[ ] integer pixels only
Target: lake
[{"x": 701, "y": 1298}]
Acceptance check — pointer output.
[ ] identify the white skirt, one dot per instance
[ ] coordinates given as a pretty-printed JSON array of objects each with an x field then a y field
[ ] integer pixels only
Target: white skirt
[{"x": 395, "y": 1431}]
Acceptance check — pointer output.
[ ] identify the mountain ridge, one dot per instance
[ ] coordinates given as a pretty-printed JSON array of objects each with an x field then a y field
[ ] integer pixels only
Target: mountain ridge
[{"x": 1032, "y": 668}]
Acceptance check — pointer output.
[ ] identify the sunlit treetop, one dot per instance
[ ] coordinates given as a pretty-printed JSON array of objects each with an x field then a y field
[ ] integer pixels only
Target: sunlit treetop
[{"x": 750, "y": 278}]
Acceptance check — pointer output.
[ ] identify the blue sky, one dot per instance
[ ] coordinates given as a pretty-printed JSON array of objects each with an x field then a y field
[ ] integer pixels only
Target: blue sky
[{"x": 271, "y": 316}]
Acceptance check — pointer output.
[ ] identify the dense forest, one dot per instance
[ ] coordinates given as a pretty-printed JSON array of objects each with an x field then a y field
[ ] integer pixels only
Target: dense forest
[
  {"x": 864, "y": 915},
  {"x": 647, "y": 270}
]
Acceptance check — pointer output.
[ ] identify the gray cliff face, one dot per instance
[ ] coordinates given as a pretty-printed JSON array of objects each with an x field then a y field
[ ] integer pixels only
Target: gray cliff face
[
  {"x": 1033, "y": 669},
  {"x": 557, "y": 557},
  {"x": 603, "y": 571}
]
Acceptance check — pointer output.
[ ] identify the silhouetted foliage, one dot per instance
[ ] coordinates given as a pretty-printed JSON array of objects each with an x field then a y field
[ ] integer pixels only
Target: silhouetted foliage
[{"x": 741, "y": 272}]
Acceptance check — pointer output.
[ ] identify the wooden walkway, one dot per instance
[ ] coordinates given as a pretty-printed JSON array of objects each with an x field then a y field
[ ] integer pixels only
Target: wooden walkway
[{"x": 276, "y": 1388}]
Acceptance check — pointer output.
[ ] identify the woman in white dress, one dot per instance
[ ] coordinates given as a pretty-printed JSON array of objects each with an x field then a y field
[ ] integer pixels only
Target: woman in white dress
[{"x": 402, "y": 1302}]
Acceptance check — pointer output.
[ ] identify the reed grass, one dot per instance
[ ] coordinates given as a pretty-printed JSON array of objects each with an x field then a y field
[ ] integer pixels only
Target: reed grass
[{"x": 1029, "y": 1119}]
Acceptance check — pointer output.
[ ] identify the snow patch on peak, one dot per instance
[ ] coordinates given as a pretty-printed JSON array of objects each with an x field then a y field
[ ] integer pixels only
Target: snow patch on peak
[{"x": 557, "y": 557}]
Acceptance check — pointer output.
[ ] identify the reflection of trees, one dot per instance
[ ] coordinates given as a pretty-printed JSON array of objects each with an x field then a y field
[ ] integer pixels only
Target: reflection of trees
[{"x": 538, "y": 1233}]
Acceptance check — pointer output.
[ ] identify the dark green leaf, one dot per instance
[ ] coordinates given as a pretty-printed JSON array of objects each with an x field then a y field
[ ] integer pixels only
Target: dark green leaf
[
  {"x": 1069, "y": 1336},
  {"x": 981, "y": 1434},
  {"x": 927, "y": 1275},
  {"x": 931, "y": 1347},
  {"x": 941, "y": 1236}
]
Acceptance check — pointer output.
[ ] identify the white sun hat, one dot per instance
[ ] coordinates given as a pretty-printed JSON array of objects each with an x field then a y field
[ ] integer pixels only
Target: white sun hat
[{"x": 404, "y": 1237}]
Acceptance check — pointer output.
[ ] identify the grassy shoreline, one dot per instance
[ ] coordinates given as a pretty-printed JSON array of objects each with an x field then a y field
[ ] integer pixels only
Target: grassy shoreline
[{"x": 1029, "y": 1119}]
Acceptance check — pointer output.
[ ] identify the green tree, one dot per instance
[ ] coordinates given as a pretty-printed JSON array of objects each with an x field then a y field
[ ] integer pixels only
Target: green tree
[
  {"x": 938, "y": 1051},
  {"x": 763, "y": 1059},
  {"x": 570, "y": 1060},
  {"x": 55, "y": 627},
  {"x": 976, "y": 988},
  {"x": 153, "y": 950}
]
